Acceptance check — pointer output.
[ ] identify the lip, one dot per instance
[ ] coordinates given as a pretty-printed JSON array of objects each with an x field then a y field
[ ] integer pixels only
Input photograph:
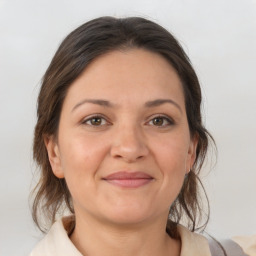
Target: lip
[{"x": 128, "y": 179}]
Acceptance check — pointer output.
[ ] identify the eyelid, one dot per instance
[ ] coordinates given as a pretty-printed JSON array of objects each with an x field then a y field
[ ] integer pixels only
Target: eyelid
[
  {"x": 90, "y": 117},
  {"x": 164, "y": 116}
]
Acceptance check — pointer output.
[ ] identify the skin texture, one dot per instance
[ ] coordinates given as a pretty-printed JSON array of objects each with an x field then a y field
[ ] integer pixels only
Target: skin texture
[{"x": 127, "y": 134}]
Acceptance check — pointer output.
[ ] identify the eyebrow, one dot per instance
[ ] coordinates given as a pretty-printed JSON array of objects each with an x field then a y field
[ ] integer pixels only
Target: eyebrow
[
  {"x": 100, "y": 102},
  {"x": 105, "y": 103},
  {"x": 158, "y": 102}
]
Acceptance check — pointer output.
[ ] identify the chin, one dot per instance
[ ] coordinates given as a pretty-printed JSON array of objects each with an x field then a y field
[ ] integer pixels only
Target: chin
[{"x": 126, "y": 216}]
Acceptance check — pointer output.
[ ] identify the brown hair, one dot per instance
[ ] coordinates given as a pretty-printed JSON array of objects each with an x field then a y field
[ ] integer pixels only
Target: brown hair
[{"x": 78, "y": 49}]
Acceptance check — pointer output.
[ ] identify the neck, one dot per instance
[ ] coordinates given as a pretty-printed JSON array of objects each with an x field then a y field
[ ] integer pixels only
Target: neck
[{"x": 145, "y": 239}]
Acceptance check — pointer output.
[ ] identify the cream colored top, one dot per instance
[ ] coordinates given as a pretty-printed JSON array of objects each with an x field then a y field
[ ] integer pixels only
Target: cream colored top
[
  {"x": 248, "y": 243},
  {"x": 57, "y": 242}
]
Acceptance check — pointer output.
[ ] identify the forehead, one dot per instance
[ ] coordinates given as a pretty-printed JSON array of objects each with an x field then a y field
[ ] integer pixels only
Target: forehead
[{"x": 129, "y": 76}]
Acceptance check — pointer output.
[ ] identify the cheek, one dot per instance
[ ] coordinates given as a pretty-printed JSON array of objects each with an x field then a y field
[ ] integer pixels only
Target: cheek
[
  {"x": 172, "y": 155},
  {"x": 81, "y": 158},
  {"x": 82, "y": 150},
  {"x": 172, "y": 160}
]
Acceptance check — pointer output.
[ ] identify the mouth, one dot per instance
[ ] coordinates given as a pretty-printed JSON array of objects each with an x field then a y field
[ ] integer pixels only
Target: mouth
[{"x": 128, "y": 179}]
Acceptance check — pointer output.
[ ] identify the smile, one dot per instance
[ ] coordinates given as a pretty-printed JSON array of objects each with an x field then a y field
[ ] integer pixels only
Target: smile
[{"x": 128, "y": 179}]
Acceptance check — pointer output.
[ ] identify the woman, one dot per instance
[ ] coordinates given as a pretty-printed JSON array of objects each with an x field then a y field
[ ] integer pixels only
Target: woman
[{"x": 120, "y": 142}]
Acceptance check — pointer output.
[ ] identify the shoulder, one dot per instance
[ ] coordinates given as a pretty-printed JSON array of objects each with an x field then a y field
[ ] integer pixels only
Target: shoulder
[
  {"x": 56, "y": 242},
  {"x": 193, "y": 243},
  {"x": 237, "y": 246},
  {"x": 247, "y": 243},
  {"x": 197, "y": 244}
]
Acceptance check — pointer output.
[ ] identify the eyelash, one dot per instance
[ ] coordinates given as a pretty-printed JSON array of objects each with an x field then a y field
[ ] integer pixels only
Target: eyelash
[
  {"x": 166, "y": 119},
  {"x": 89, "y": 119}
]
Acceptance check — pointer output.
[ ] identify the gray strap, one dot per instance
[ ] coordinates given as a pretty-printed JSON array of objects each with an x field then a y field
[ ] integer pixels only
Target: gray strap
[
  {"x": 225, "y": 247},
  {"x": 216, "y": 248},
  {"x": 232, "y": 248}
]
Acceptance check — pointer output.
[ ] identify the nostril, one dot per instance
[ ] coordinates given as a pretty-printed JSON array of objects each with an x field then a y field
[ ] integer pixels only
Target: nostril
[
  {"x": 127, "y": 156},
  {"x": 129, "y": 145}
]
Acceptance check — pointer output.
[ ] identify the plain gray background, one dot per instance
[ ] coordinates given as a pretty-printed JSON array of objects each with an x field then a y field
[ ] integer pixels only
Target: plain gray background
[{"x": 220, "y": 39}]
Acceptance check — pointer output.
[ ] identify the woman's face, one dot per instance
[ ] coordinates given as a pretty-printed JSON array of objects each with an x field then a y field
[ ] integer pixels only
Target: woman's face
[{"x": 123, "y": 142}]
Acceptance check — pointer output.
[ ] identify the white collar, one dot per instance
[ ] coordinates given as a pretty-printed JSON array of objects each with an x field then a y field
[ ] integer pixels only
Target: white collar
[
  {"x": 193, "y": 244},
  {"x": 57, "y": 242}
]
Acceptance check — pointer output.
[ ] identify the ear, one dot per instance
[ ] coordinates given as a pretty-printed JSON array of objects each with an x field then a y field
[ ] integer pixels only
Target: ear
[
  {"x": 54, "y": 156},
  {"x": 191, "y": 153}
]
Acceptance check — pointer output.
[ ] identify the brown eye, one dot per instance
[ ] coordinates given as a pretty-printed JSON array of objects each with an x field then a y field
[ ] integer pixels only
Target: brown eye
[
  {"x": 158, "y": 121},
  {"x": 161, "y": 121},
  {"x": 95, "y": 121}
]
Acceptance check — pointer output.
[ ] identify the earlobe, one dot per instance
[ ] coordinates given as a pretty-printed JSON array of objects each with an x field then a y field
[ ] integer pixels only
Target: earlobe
[
  {"x": 54, "y": 156},
  {"x": 192, "y": 153}
]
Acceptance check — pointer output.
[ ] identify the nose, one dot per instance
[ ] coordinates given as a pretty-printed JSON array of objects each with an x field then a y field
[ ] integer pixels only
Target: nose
[{"x": 129, "y": 144}]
